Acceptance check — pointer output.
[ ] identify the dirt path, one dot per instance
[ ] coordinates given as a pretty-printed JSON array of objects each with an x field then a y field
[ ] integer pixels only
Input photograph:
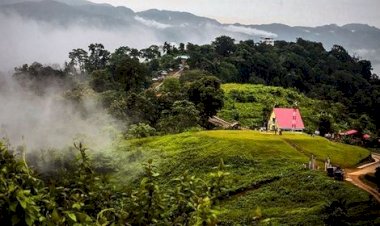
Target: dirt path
[
  {"x": 176, "y": 74},
  {"x": 353, "y": 176}
]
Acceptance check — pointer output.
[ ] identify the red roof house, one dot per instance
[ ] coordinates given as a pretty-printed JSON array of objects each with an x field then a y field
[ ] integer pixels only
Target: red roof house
[
  {"x": 353, "y": 132},
  {"x": 349, "y": 133},
  {"x": 286, "y": 119}
]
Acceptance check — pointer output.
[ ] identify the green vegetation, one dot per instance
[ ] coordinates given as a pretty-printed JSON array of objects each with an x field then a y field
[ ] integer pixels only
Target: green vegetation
[
  {"x": 75, "y": 194},
  {"x": 203, "y": 177},
  {"x": 251, "y": 105},
  {"x": 249, "y": 154},
  {"x": 198, "y": 178},
  {"x": 331, "y": 76},
  {"x": 266, "y": 181},
  {"x": 335, "y": 91}
]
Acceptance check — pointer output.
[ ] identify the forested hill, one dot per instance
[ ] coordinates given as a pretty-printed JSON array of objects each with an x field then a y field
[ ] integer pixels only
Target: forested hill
[
  {"x": 330, "y": 75},
  {"x": 123, "y": 80}
]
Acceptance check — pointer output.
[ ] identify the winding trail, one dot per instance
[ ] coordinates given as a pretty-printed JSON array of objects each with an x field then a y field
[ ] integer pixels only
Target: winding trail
[{"x": 353, "y": 176}]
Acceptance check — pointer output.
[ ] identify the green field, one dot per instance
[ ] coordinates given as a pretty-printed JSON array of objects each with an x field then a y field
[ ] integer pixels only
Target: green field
[
  {"x": 247, "y": 104},
  {"x": 266, "y": 174}
]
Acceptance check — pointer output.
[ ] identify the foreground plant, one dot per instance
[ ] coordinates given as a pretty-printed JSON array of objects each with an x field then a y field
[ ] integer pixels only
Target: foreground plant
[{"x": 80, "y": 196}]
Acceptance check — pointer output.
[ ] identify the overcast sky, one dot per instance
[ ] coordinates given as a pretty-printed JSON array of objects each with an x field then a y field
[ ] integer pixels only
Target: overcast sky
[{"x": 291, "y": 12}]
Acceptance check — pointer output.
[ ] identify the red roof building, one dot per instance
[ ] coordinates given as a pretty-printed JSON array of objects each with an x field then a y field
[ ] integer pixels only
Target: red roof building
[
  {"x": 286, "y": 119},
  {"x": 354, "y": 132},
  {"x": 349, "y": 133}
]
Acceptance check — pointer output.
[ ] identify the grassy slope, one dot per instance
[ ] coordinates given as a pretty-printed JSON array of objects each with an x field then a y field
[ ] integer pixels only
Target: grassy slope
[
  {"x": 252, "y": 157},
  {"x": 250, "y": 111}
]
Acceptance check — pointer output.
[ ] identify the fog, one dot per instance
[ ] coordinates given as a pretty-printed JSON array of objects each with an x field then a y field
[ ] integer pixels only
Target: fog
[
  {"x": 26, "y": 41},
  {"x": 50, "y": 121}
]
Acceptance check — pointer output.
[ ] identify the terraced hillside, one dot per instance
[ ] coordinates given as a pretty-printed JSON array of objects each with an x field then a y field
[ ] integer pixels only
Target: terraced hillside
[{"x": 267, "y": 182}]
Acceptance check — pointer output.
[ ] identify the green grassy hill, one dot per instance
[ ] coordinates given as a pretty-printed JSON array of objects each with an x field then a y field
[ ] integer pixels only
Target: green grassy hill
[
  {"x": 267, "y": 179},
  {"x": 251, "y": 104}
]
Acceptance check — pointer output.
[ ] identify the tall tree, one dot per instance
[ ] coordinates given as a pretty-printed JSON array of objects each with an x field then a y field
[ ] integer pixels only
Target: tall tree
[
  {"x": 207, "y": 96},
  {"x": 78, "y": 57},
  {"x": 98, "y": 58},
  {"x": 224, "y": 45}
]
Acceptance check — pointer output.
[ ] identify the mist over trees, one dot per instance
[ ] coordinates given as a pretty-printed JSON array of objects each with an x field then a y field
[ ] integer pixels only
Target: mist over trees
[{"x": 123, "y": 79}]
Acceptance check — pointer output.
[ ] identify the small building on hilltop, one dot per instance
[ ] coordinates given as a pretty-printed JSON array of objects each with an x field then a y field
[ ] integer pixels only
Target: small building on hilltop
[
  {"x": 355, "y": 134},
  {"x": 267, "y": 41},
  {"x": 285, "y": 119}
]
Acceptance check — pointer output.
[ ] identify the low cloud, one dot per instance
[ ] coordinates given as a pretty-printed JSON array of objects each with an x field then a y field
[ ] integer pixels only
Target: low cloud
[
  {"x": 373, "y": 55},
  {"x": 26, "y": 41},
  {"x": 50, "y": 121},
  {"x": 249, "y": 31},
  {"x": 152, "y": 23}
]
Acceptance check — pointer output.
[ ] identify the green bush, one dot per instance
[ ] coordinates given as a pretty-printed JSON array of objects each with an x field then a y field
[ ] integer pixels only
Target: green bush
[
  {"x": 140, "y": 130},
  {"x": 80, "y": 196}
]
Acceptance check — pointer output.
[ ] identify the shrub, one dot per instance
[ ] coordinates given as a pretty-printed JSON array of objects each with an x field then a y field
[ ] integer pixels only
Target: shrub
[{"x": 140, "y": 130}]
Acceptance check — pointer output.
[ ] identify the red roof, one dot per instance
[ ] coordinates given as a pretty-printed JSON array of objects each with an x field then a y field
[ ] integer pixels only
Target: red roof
[
  {"x": 289, "y": 118},
  {"x": 366, "y": 136},
  {"x": 349, "y": 132}
]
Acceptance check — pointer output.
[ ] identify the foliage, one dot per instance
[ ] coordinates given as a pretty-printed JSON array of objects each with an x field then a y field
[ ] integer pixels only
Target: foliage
[
  {"x": 38, "y": 78},
  {"x": 207, "y": 96},
  {"x": 253, "y": 104},
  {"x": 140, "y": 130},
  {"x": 324, "y": 124},
  {"x": 332, "y": 76},
  {"x": 98, "y": 57},
  {"x": 22, "y": 199},
  {"x": 336, "y": 213},
  {"x": 182, "y": 115},
  {"x": 80, "y": 196},
  {"x": 262, "y": 171}
]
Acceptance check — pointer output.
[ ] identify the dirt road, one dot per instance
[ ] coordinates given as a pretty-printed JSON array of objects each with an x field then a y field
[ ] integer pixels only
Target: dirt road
[{"x": 353, "y": 176}]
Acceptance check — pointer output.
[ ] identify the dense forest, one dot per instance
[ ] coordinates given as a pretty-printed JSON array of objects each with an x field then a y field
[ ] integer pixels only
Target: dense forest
[{"x": 124, "y": 80}]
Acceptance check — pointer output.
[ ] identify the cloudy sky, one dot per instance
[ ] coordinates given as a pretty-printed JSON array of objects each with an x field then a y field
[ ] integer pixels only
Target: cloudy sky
[{"x": 291, "y": 12}]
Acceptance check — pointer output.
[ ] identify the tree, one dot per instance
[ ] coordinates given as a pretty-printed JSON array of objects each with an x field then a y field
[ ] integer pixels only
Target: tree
[
  {"x": 101, "y": 81},
  {"x": 98, "y": 58},
  {"x": 181, "y": 116},
  {"x": 171, "y": 85},
  {"x": 193, "y": 75},
  {"x": 141, "y": 108},
  {"x": 150, "y": 53},
  {"x": 365, "y": 69},
  {"x": 39, "y": 78},
  {"x": 224, "y": 45},
  {"x": 181, "y": 48},
  {"x": 167, "y": 48},
  {"x": 140, "y": 130},
  {"x": 207, "y": 96},
  {"x": 78, "y": 57},
  {"x": 227, "y": 72},
  {"x": 130, "y": 74},
  {"x": 363, "y": 124},
  {"x": 340, "y": 53},
  {"x": 324, "y": 124}
]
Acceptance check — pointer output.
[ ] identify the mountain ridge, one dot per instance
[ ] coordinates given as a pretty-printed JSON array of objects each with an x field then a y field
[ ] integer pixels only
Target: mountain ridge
[{"x": 175, "y": 26}]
